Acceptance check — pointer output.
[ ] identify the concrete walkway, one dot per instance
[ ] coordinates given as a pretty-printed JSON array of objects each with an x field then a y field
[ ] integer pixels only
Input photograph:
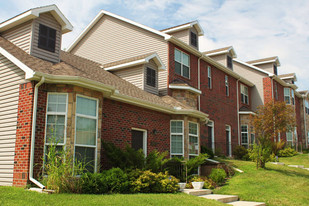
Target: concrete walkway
[
  {"x": 229, "y": 199},
  {"x": 296, "y": 166}
]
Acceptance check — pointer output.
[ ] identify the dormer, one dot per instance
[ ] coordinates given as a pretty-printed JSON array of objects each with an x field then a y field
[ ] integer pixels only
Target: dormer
[
  {"x": 223, "y": 56},
  {"x": 269, "y": 64},
  {"x": 38, "y": 31},
  {"x": 288, "y": 78},
  {"x": 188, "y": 33},
  {"x": 141, "y": 71}
]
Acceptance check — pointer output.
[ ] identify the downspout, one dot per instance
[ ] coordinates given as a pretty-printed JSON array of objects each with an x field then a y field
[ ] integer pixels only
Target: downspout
[
  {"x": 199, "y": 81},
  {"x": 305, "y": 126},
  {"x": 35, "y": 104},
  {"x": 238, "y": 122}
]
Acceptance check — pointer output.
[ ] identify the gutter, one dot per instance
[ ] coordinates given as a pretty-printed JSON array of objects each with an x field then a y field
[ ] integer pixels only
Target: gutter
[
  {"x": 238, "y": 122},
  {"x": 199, "y": 81},
  {"x": 35, "y": 104}
]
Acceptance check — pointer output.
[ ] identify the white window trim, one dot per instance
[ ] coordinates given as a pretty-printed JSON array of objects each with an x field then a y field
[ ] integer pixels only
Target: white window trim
[
  {"x": 144, "y": 139},
  {"x": 212, "y": 125},
  {"x": 251, "y": 138},
  {"x": 291, "y": 132},
  {"x": 181, "y": 63},
  {"x": 289, "y": 95},
  {"x": 227, "y": 88},
  {"x": 91, "y": 117},
  {"x": 209, "y": 77},
  {"x": 292, "y": 97},
  {"x": 241, "y": 132},
  {"x": 183, "y": 145},
  {"x": 242, "y": 92},
  {"x": 194, "y": 135},
  {"x": 56, "y": 113},
  {"x": 230, "y": 138}
]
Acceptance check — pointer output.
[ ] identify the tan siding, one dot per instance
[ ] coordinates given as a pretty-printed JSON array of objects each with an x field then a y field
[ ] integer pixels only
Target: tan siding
[
  {"x": 222, "y": 59},
  {"x": 183, "y": 35},
  {"x": 267, "y": 67},
  {"x": 111, "y": 40},
  {"x": 10, "y": 78},
  {"x": 256, "y": 77},
  {"x": 20, "y": 36},
  {"x": 134, "y": 75},
  {"x": 150, "y": 89},
  {"x": 47, "y": 20}
]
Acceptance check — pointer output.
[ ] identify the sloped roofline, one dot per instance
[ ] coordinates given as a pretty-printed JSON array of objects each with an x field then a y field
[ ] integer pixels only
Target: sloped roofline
[
  {"x": 194, "y": 24},
  {"x": 265, "y": 61},
  {"x": 227, "y": 50},
  {"x": 66, "y": 26},
  {"x": 102, "y": 13},
  {"x": 288, "y": 76}
]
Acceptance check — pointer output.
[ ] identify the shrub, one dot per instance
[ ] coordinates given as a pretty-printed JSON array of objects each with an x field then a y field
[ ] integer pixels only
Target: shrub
[
  {"x": 217, "y": 175},
  {"x": 155, "y": 161},
  {"x": 287, "y": 152},
  {"x": 193, "y": 163},
  {"x": 240, "y": 153},
  {"x": 209, "y": 152},
  {"x": 149, "y": 182},
  {"x": 208, "y": 183},
  {"x": 94, "y": 183},
  {"x": 176, "y": 168}
]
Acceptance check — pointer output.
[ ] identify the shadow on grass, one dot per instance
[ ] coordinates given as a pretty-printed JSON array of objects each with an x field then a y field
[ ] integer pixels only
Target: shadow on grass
[{"x": 288, "y": 172}]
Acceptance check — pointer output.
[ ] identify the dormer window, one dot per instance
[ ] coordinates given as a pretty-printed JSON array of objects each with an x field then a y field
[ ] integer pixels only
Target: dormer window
[
  {"x": 193, "y": 39},
  {"x": 47, "y": 38},
  {"x": 275, "y": 70},
  {"x": 230, "y": 62},
  {"x": 151, "y": 77}
]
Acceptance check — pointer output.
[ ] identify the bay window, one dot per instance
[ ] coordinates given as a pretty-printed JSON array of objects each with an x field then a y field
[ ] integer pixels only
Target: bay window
[
  {"x": 177, "y": 138},
  {"x": 193, "y": 139}
]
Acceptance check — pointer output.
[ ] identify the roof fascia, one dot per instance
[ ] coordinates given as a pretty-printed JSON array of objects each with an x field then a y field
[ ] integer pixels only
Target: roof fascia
[
  {"x": 194, "y": 24},
  {"x": 98, "y": 17},
  {"x": 276, "y": 60},
  {"x": 283, "y": 83},
  {"x": 181, "y": 87},
  {"x": 29, "y": 72},
  {"x": 253, "y": 67}
]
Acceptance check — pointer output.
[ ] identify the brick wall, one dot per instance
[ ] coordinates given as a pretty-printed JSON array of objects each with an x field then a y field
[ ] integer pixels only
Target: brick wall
[
  {"x": 299, "y": 122},
  {"x": 119, "y": 118},
  {"x": 23, "y": 134},
  {"x": 267, "y": 88}
]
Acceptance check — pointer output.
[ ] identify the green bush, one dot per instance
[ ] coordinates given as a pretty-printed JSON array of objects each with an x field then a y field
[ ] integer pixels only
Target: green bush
[
  {"x": 94, "y": 183},
  {"x": 217, "y": 175},
  {"x": 209, "y": 152},
  {"x": 240, "y": 153},
  {"x": 193, "y": 163},
  {"x": 176, "y": 168},
  {"x": 208, "y": 183},
  {"x": 155, "y": 161},
  {"x": 149, "y": 182},
  {"x": 287, "y": 152}
]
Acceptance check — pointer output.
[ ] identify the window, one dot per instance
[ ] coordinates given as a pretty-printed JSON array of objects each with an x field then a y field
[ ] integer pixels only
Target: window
[
  {"x": 293, "y": 97},
  {"x": 47, "y": 38},
  {"x": 193, "y": 39},
  {"x": 177, "y": 138},
  {"x": 252, "y": 138},
  {"x": 228, "y": 140},
  {"x": 151, "y": 77},
  {"x": 56, "y": 118},
  {"x": 289, "y": 136},
  {"x": 229, "y": 62},
  {"x": 86, "y": 131},
  {"x": 211, "y": 135},
  {"x": 209, "y": 77},
  {"x": 193, "y": 139},
  {"x": 182, "y": 63},
  {"x": 307, "y": 106},
  {"x": 227, "y": 85},
  {"x": 276, "y": 91},
  {"x": 275, "y": 70},
  {"x": 287, "y": 95},
  {"x": 244, "y": 135},
  {"x": 244, "y": 94}
]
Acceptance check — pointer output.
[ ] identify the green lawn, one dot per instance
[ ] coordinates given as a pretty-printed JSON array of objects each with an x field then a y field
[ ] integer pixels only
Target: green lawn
[
  {"x": 19, "y": 196},
  {"x": 277, "y": 185},
  {"x": 302, "y": 159}
]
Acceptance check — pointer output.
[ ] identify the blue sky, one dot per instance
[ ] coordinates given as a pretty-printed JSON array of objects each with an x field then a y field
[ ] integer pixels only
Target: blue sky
[{"x": 255, "y": 28}]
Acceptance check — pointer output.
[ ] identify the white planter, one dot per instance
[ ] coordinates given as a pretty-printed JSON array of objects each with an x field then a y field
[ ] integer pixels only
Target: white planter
[
  {"x": 198, "y": 185},
  {"x": 182, "y": 185}
]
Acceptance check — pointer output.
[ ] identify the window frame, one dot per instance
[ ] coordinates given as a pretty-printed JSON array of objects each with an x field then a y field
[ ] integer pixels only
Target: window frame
[
  {"x": 293, "y": 96},
  {"x": 181, "y": 63},
  {"x": 227, "y": 88},
  {"x": 241, "y": 134},
  {"x": 48, "y": 38},
  {"x": 87, "y": 116},
  {"x": 287, "y": 97},
  {"x": 191, "y": 39},
  {"x": 229, "y": 62},
  {"x": 211, "y": 124},
  {"x": 209, "y": 77},
  {"x": 145, "y": 138},
  {"x": 276, "y": 90},
  {"x": 155, "y": 77},
  {"x": 243, "y": 95},
  {"x": 183, "y": 148},
  {"x": 229, "y": 129},
  {"x": 194, "y": 135}
]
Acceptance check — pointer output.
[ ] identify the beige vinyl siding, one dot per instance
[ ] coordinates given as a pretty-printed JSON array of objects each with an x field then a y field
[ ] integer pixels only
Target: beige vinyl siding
[
  {"x": 222, "y": 59},
  {"x": 256, "y": 77},
  {"x": 134, "y": 75},
  {"x": 111, "y": 40},
  {"x": 147, "y": 88},
  {"x": 269, "y": 67},
  {"x": 183, "y": 35},
  {"x": 10, "y": 78},
  {"x": 20, "y": 36},
  {"x": 47, "y": 20}
]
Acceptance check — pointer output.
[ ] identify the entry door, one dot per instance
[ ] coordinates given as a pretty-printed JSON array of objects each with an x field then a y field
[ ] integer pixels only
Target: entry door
[{"x": 137, "y": 140}]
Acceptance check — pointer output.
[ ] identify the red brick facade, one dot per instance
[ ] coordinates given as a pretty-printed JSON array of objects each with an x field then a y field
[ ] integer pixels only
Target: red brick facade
[
  {"x": 267, "y": 88},
  {"x": 23, "y": 135}
]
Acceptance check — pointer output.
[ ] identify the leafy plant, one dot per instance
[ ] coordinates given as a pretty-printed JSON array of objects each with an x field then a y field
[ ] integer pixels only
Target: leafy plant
[
  {"x": 193, "y": 163},
  {"x": 208, "y": 183},
  {"x": 155, "y": 161},
  {"x": 287, "y": 152},
  {"x": 217, "y": 175},
  {"x": 209, "y": 152},
  {"x": 277, "y": 146},
  {"x": 240, "y": 152}
]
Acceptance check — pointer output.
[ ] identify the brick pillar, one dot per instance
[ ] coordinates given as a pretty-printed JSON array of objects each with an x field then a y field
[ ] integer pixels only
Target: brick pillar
[
  {"x": 267, "y": 87},
  {"x": 23, "y": 134}
]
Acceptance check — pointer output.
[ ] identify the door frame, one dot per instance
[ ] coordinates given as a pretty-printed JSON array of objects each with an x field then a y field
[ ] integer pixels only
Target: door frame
[
  {"x": 229, "y": 129},
  {"x": 144, "y": 138}
]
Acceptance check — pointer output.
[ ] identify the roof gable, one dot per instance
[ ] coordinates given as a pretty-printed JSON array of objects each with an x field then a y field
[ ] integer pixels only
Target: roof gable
[
  {"x": 188, "y": 25},
  {"x": 267, "y": 60},
  {"x": 224, "y": 50}
]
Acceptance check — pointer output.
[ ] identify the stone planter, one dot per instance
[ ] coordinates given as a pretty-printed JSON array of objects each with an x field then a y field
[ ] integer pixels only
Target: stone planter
[
  {"x": 198, "y": 185},
  {"x": 182, "y": 185}
]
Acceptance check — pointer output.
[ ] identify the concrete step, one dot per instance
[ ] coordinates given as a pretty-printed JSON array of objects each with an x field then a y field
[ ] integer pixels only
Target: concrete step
[
  {"x": 246, "y": 203},
  {"x": 197, "y": 192},
  {"x": 221, "y": 198},
  {"x": 277, "y": 163},
  {"x": 297, "y": 166},
  {"x": 39, "y": 190}
]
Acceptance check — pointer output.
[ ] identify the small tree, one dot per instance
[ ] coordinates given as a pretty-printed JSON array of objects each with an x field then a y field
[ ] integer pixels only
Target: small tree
[{"x": 270, "y": 119}]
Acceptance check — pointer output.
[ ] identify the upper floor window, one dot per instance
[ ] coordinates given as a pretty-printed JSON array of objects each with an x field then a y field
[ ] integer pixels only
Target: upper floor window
[
  {"x": 193, "y": 139},
  {"x": 244, "y": 94},
  {"x": 177, "y": 138},
  {"x": 209, "y": 77},
  {"x": 293, "y": 97},
  {"x": 151, "y": 77},
  {"x": 193, "y": 39},
  {"x": 227, "y": 93},
  {"x": 229, "y": 62},
  {"x": 307, "y": 106},
  {"x": 276, "y": 91},
  {"x": 287, "y": 97},
  {"x": 47, "y": 38},
  {"x": 275, "y": 70},
  {"x": 182, "y": 62}
]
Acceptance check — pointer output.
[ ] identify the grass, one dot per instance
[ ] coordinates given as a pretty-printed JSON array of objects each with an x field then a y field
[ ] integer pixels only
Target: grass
[
  {"x": 19, "y": 196},
  {"x": 302, "y": 159},
  {"x": 276, "y": 185}
]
